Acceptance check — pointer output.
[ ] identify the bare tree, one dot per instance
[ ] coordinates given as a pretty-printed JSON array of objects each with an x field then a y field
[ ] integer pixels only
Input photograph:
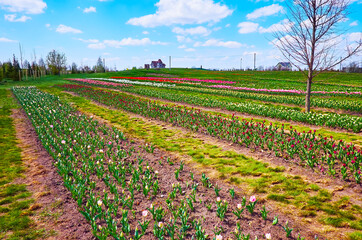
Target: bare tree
[{"x": 311, "y": 36}]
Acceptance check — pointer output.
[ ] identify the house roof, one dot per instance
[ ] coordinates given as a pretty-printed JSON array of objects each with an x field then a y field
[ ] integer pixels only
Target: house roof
[{"x": 285, "y": 64}]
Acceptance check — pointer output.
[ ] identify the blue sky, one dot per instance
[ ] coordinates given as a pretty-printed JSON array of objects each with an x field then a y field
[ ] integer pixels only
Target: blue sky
[{"x": 211, "y": 33}]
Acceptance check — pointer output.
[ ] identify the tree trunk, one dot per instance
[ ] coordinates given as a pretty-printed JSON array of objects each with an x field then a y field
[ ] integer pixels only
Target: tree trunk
[{"x": 307, "y": 96}]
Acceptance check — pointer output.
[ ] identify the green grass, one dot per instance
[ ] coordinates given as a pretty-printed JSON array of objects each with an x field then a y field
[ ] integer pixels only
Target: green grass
[
  {"x": 14, "y": 198},
  {"x": 268, "y": 182},
  {"x": 355, "y": 235},
  {"x": 47, "y": 81}
]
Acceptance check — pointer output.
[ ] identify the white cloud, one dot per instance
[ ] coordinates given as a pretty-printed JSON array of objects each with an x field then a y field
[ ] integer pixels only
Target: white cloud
[
  {"x": 12, "y": 18},
  {"x": 131, "y": 42},
  {"x": 2, "y": 39},
  {"x": 281, "y": 26},
  {"x": 145, "y": 32},
  {"x": 182, "y": 46},
  {"x": 90, "y": 9},
  {"x": 192, "y": 31},
  {"x": 355, "y": 23},
  {"x": 227, "y": 25},
  {"x": 286, "y": 38},
  {"x": 248, "y": 27},
  {"x": 218, "y": 43},
  {"x": 66, "y": 29},
  {"x": 184, "y": 39},
  {"x": 88, "y": 40},
  {"x": 265, "y": 11},
  {"x": 97, "y": 46},
  {"x": 354, "y": 37},
  {"x": 26, "y": 6},
  {"x": 190, "y": 50},
  {"x": 183, "y": 12},
  {"x": 47, "y": 25}
]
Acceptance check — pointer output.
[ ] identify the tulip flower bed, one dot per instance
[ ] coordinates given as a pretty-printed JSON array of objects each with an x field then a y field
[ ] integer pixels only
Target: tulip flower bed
[
  {"x": 166, "y": 80},
  {"x": 131, "y": 191},
  {"x": 103, "y": 82},
  {"x": 287, "y": 91},
  {"x": 177, "y": 80},
  {"x": 347, "y": 122},
  {"x": 337, "y": 159},
  {"x": 330, "y": 102},
  {"x": 100, "y": 83}
]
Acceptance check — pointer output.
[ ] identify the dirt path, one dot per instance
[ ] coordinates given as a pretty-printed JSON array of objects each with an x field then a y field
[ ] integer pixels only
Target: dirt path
[
  {"x": 338, "y": 187},
  {"x": 55, "y": 209}
]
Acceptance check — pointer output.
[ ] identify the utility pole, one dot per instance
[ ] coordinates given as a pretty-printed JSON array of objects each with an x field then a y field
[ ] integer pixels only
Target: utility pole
[
  {"x": 169, "y": 62},
  {"x": 21, "y": 56},
  {"x": 241, "y": 64},
  {"x": 254, "y": 60},
  {"x": 35, "y": 74}
]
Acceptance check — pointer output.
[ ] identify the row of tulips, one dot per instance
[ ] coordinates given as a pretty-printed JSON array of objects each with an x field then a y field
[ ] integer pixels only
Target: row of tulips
[
  {"x": 142, "y": 83},
  {"x": 345, "y": 121},
  {"x": 176, "y": 80},
  {"x": 287, "y": 91},
  {"x": 116, "y": 83},
  {"x": 121, "y": 194},
  {"x": 100, "y": 83},
  {"x": 330, "y": 102},
  {"x": 335, "y": 158}
]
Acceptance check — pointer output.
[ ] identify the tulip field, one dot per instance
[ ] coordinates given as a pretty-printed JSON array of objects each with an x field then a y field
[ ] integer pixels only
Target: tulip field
[
  {"x": 310, "y": 149},
  {"x": 349, "y": 122},
  {"x": 189, "y": 154},
  {"x": 112, "y": 181}
]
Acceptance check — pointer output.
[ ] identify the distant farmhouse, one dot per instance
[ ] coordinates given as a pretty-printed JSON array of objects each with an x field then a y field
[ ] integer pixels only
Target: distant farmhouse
[
  {"x": 283, "y": 66},
  {"x": 157, "y": 64}
]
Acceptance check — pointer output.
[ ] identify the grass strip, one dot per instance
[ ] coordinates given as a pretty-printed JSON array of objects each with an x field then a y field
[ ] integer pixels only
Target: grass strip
[{"x": 15, "y": 200}]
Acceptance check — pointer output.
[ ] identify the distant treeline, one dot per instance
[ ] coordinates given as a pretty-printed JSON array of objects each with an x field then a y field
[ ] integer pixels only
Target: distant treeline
[{"x": 54, "y": 64}]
